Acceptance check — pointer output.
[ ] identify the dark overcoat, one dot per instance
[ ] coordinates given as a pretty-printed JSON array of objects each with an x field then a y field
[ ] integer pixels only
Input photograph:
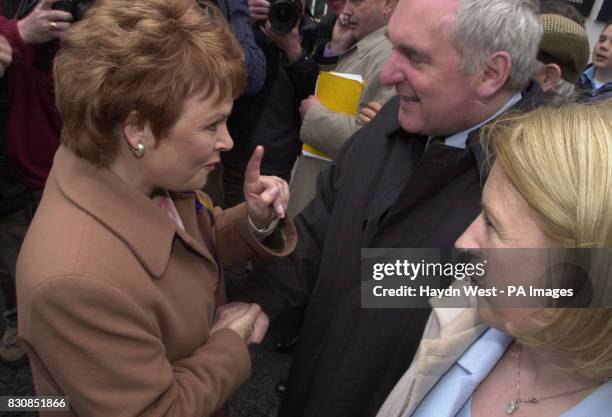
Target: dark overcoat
[{"x": 386, "y": 189}]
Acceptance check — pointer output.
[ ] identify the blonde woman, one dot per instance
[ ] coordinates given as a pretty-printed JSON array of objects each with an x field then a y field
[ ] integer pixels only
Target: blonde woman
[{"x": 550, "y": 187}]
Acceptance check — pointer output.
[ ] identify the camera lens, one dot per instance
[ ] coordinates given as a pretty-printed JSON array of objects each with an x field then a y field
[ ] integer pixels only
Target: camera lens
[{"x": 284, "y": 15}]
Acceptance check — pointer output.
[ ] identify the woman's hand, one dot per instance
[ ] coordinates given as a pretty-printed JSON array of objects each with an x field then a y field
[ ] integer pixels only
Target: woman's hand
[
  {"x": 266, "y": 197},
  {"x": 245, "y": 319}
]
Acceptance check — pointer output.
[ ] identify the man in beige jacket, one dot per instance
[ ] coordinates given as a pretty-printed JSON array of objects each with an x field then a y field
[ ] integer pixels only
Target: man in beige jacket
[{"x": 363, "y": 21}]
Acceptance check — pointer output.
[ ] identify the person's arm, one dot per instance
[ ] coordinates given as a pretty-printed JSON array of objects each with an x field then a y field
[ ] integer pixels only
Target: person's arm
[
  {"x": 35, "y": 28},
  {"x": 235, "y": 230},
  {"x": 6, "y": 55},
  {"x": 236, "y": 243},
  {"x": 303, "y": 74},
  {"x": 106, "y": 355},
  {"x": 283, "y": 282},
  {"x": 254, "y": 59},
  {"x": 8, "y": 29},
  {"x": 327, "y": 130},
  {"x": 300, "y": 67}
]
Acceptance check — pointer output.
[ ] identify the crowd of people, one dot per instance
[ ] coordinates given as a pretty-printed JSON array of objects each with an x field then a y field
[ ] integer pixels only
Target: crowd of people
[{"x": 150, "y": 145}]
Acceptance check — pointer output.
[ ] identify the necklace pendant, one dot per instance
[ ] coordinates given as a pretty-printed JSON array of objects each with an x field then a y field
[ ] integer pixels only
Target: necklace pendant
[{"x": 512, "y": 407}]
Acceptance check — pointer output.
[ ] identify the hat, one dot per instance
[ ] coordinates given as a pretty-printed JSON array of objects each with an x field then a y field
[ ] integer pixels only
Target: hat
[{"x": 565, "y": 43}]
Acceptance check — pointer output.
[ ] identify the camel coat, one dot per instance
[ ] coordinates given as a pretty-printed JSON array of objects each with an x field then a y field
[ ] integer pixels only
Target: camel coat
[{"x": 116, "y": 301}]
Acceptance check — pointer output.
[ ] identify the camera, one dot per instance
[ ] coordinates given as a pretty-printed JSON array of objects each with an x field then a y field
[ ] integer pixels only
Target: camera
[
  {"x": 284, "y": 15},
  {"x": 75, "y": 7}
]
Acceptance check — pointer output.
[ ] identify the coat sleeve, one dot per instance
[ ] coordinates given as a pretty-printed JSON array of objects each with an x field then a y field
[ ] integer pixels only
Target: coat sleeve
[
  {"x": 327, "y": 130},
  {"x": 109, "y": 359},
  {"x": 236, "y": 244},
  {"x": 254, "y": 59},
  {"x": 303, "y": 74},
  {"x": 287, "y": 282},
  {"x": 21, "y": 51}
]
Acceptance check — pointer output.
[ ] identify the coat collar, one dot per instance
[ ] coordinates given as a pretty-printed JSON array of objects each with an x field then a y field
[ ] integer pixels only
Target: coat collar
[
  {"x": 457, "y": 330},
  {"x": 532, "y": 98},
  {"x": 132, "y": 216}
]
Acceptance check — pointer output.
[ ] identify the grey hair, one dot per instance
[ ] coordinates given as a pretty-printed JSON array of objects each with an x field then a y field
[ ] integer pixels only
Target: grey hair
[
  {"x": 562, "y": 93},
  {"x": 484, "y": 27}
]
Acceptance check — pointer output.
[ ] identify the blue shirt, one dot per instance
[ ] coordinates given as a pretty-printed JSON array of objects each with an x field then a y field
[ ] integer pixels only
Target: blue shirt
[
  {"x": 458, "y": 140},
  {"x": 589, "y": 86},
  {"x": 455, "y": 389},
  {"x": 458, "y": 384}
]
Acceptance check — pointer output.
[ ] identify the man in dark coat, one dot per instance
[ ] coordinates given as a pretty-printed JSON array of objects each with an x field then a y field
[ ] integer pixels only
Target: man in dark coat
[{"x": 408, "y": 179}]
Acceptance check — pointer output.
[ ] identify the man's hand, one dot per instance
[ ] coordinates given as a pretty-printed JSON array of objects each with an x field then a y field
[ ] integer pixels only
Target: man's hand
[
  {"x": 368, "y": 112},
  {"x": 342, "y": 35},
  {"x": 259, "y": 10},
  {"x": 306, "y": 104},
  {"x": 266, "y": 197},
  {"x": 43, "y": 23},
  {"x": 290, "y": 44},
  {"x": 245, "y": 319},
  {"x": 6, "y": 55}
]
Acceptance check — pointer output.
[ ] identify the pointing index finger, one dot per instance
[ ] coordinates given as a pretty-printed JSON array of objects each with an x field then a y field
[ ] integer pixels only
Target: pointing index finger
[{"x": 252, "y": 171}]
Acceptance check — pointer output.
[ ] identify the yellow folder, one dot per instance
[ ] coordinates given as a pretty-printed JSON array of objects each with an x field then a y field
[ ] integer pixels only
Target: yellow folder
[{"x": 339, "y": 92}]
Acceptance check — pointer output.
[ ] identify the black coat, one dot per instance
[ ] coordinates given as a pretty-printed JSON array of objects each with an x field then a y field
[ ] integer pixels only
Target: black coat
[{"x": 383, "y": 190}]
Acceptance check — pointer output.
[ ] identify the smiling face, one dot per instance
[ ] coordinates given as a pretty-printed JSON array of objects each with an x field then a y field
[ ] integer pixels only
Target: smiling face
[
  {"x": 436, "y": 97},
  {"x": 365, "y": 16},
  {"x": 514, "y": 245},
  {"x": 602, "y": 52},
  {"x": 190, "y": 151}
]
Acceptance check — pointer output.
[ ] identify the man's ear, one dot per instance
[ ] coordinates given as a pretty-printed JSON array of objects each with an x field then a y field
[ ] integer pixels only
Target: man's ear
[
  {"x": 388, "y": 7},
  {"x": 494, "y": 74},
  {"x": 551, "y": 74},
  {"x": 133, "y": 130}
]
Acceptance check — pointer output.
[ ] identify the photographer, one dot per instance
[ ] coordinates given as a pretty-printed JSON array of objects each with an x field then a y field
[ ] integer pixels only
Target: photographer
[
  {"x": 32, "y": 137},
  {"x": 324, "y": 56},
  {"x": 237, "y": 14},
  {"x": 271, "y": 117}
]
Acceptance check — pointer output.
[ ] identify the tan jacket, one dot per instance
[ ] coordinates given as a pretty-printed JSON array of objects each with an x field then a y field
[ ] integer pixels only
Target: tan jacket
[
  {"x": 448, "y": 334},
  {"x": 116, "y": 302},
  {"x": 327, "y": 130}
]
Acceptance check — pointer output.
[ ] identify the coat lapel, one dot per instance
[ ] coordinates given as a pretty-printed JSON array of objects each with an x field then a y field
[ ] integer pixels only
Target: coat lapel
[
  {"x": 145, "y": 229},
  {"x": 402, "y": 158},
  {"x": 459, "y": 329},
  {"x": 191, "y": 236}
]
